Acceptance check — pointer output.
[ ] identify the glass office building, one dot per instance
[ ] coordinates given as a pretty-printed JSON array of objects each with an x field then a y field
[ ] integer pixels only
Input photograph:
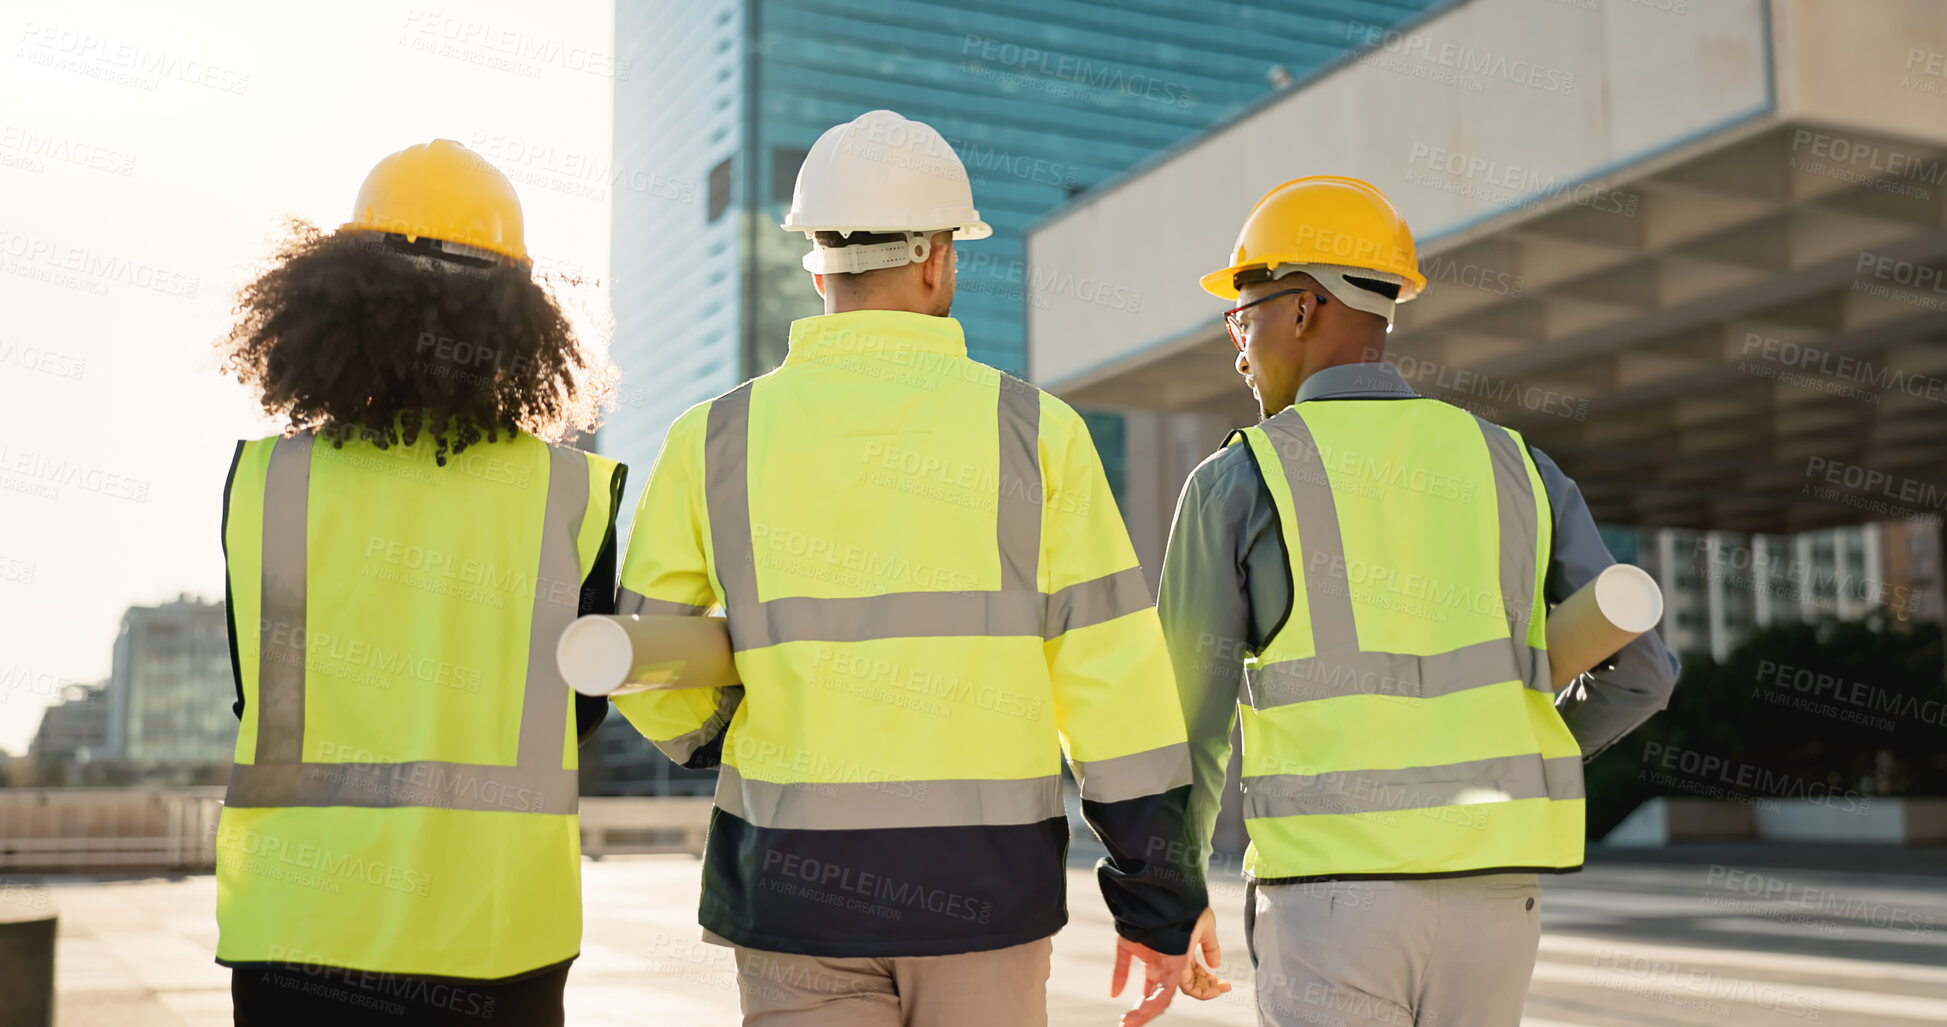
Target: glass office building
[{"x": 1042, "y": 99}]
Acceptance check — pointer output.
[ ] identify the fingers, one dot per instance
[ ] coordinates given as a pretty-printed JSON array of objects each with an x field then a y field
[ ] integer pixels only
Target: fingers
[
  {"x": 1204, "y": 935},
  {"x": 1213, "y": 956},
  {"x": 1120, "y": 975},
  {"x": 1155, "y": 1000},
  {"x": 1204, "y": 985}
]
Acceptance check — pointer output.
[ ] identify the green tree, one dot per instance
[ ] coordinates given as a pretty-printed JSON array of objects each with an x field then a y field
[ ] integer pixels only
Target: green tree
[{"x": 1847, "y": 707}]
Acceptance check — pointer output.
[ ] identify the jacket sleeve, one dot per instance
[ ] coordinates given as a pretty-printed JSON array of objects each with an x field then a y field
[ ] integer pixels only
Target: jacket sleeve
[
  {"x": 1204, "y": 604},
  {"x": 598, "y": 596},
  {"x": 1115, "y": 696},
  {"x": 229, "y": 600},
  {"x": 667, "y": 572},
  {"x": 1613, "y": 700}
]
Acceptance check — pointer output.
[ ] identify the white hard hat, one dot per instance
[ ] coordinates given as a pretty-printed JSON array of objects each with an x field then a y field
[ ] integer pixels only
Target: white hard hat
[{"x": 881, "y": 173}]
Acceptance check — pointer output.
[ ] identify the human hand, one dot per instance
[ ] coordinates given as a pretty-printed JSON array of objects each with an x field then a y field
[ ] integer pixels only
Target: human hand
[
  {"x": 1199, "y": 982},
  {"x": 1162, "y": 975}
]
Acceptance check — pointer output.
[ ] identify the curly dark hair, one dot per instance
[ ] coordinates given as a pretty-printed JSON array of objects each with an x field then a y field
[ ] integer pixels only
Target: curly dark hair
[{"x": 354, "y": 334}]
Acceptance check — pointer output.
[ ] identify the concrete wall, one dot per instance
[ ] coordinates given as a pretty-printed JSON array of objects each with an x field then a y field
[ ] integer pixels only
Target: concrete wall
[{"x": 1478, "y": 110}]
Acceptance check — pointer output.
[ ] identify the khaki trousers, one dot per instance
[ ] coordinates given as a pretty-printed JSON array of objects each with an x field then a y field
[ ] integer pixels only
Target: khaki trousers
[
  {"x": 976, "y": 989},
  {"x": 1451, "y": 952}
]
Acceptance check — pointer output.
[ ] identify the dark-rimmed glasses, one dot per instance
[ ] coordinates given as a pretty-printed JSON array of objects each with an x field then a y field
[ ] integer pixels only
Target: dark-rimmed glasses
[{"x": 1234, "y": 320}]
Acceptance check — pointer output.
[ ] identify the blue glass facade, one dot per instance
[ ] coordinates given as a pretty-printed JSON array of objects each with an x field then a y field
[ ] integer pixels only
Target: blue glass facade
[{"x": 1042, "y": 99}]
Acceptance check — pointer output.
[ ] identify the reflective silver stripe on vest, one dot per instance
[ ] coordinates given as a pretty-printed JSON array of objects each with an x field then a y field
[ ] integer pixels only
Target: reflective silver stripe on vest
[
  {"x": 279, "y": 776},
  {"x": 726, "y": 491},
  {"x": 1327, "y": 587},
  {"x": 1098, "y": 601},
  {"x": 281, "y": 632},
  {"x": 417, "y": 783},
  {"x": 867, "y": 805},
  {"x": 1135, "y": 776},
  {"x": 1017, "y": 516},
  {"x": 899, "y": 615},
  {"x": 635, "y": 603},
  {"x": 1499, "y": 779},
  {"x": 557, "y": 600},
  {"x": 936, "y": 614},
  {"x": 1018, "y": 608},
  {"x": 1390, "y": 674},
  {"x": 1514, "y": 497}
]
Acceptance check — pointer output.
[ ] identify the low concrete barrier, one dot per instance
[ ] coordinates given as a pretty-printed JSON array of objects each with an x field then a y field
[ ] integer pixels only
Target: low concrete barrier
[
  {"x": 96, "y": 829},
  {"x": 611, "y": 825},
  {"x": 1858, "y": 820},
  {"x": 108, "y": 828}
]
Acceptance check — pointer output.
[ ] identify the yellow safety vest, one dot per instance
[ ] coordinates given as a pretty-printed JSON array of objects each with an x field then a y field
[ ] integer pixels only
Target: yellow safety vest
[
  {"x": 930, "y": 595},
  {"x": 404, "y": 794},
  {"x": 1401, "y": 722}
]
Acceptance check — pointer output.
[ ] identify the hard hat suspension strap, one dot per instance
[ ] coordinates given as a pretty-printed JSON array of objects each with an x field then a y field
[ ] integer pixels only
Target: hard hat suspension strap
[{"x": 847, "y": 260}]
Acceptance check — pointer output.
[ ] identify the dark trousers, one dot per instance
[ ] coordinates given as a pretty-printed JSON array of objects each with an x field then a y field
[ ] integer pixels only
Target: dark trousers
[{"x": 329, "y": 996}]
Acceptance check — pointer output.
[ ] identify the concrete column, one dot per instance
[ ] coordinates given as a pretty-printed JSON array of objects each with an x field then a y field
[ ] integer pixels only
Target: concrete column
[
  {"x": 1714, "y": 612},
  {"x": 1808, "y": 603},
  {"x": 1145, "y": 507},
  {"x": 1872, "y": 566},
  {"x": 1666, "y": 578},
  {"x": 1844, "y": 583},
  {"x": 1760, "y": 583}
]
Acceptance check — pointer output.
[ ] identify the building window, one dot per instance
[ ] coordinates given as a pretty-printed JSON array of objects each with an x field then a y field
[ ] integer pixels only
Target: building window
[
  {"x": 785, "y": 161},
  {"x": 1108, "y": 430},
  {"x": 720, "y": 189}
]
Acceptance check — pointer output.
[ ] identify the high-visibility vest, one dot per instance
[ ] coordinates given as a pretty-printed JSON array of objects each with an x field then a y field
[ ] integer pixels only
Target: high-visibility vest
[
  {"x": 1400, "y": 722},
  {"x": 404, "y": 793},
  {"x": 930, "y": 594}
]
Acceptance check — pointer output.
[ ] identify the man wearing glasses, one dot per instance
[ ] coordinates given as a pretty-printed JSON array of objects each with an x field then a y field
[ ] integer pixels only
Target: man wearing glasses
[{"x": 1373, "y": 568}]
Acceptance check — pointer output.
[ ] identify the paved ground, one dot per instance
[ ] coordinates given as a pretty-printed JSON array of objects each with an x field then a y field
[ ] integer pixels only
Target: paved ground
[{"x": 1625, "y": 944}]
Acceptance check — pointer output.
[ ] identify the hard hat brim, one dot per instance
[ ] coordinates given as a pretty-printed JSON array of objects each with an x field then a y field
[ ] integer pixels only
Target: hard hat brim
[
  {"x": 970, "y": 229},
  {"x": 1223, "y": 283}
]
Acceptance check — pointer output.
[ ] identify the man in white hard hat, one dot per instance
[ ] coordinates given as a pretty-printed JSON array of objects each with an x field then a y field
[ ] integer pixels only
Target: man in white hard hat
[{"x": 931, "y": 598}]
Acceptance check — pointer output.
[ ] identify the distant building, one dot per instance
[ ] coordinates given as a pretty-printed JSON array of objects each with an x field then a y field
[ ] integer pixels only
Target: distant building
[
  {"x": 1720, "y": 586},
  {"x": 74, "y": 730},
  {"x": 169, "y": 700},
  {"x": 619, "y": 761}
]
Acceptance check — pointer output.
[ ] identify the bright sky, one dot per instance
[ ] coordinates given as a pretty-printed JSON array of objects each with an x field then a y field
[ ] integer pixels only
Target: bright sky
[{"x": 148, "y": 152}]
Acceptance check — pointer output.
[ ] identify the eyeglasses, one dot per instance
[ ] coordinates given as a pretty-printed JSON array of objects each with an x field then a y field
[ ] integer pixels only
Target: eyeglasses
[{"x": 1234, "y": 319}]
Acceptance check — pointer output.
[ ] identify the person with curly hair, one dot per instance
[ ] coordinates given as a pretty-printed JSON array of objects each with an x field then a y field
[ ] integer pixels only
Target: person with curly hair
[{"x": 399, "y": 838}]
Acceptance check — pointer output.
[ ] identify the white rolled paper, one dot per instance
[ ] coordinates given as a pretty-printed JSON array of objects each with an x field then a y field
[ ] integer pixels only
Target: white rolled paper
[
  {"x": 607, "y": 655},
  {"x": 1599, "y": 619}
]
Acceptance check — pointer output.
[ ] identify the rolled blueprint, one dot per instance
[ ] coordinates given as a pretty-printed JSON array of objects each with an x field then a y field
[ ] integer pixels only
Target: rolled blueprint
[
  {"x": 612, "y": 655},
  {"x": 1599, "y": 619}
]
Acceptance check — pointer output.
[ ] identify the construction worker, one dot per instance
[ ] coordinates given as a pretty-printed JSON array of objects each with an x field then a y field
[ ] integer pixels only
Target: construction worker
[
  {"x": 930, "y": 597},
  {"x": 1373, "y": 568},
  {"x": 399, "y": 840}
]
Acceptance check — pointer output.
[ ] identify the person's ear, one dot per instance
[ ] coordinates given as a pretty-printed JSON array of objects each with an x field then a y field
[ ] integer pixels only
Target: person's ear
[
  {"x": 1307, "y": 309},
  {"x": 939, "y": 262},
  {"x": 818, "y": 283}
]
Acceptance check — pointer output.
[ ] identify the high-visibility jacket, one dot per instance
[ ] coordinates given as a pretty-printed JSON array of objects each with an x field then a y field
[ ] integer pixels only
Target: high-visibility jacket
[
  {"x": 930, "y": 596},
  {"x": 404, "y": 793},
  {"x": 1401, "y": 722}
]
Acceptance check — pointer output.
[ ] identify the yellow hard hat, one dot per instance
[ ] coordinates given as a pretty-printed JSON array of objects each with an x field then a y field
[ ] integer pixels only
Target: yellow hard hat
[
  {"x": 1325, "y": 220},
  {"x": 441, "y": 190}
]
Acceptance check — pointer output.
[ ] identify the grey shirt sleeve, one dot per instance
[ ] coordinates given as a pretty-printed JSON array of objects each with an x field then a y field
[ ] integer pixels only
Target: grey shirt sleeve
[
  {"x": 1608, "y": 703},
  {"x": 1226, "y": 584}
]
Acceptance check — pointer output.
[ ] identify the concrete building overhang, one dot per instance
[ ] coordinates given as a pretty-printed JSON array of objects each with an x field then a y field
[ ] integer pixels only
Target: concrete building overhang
[{"x": 1697, "y": 253}]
